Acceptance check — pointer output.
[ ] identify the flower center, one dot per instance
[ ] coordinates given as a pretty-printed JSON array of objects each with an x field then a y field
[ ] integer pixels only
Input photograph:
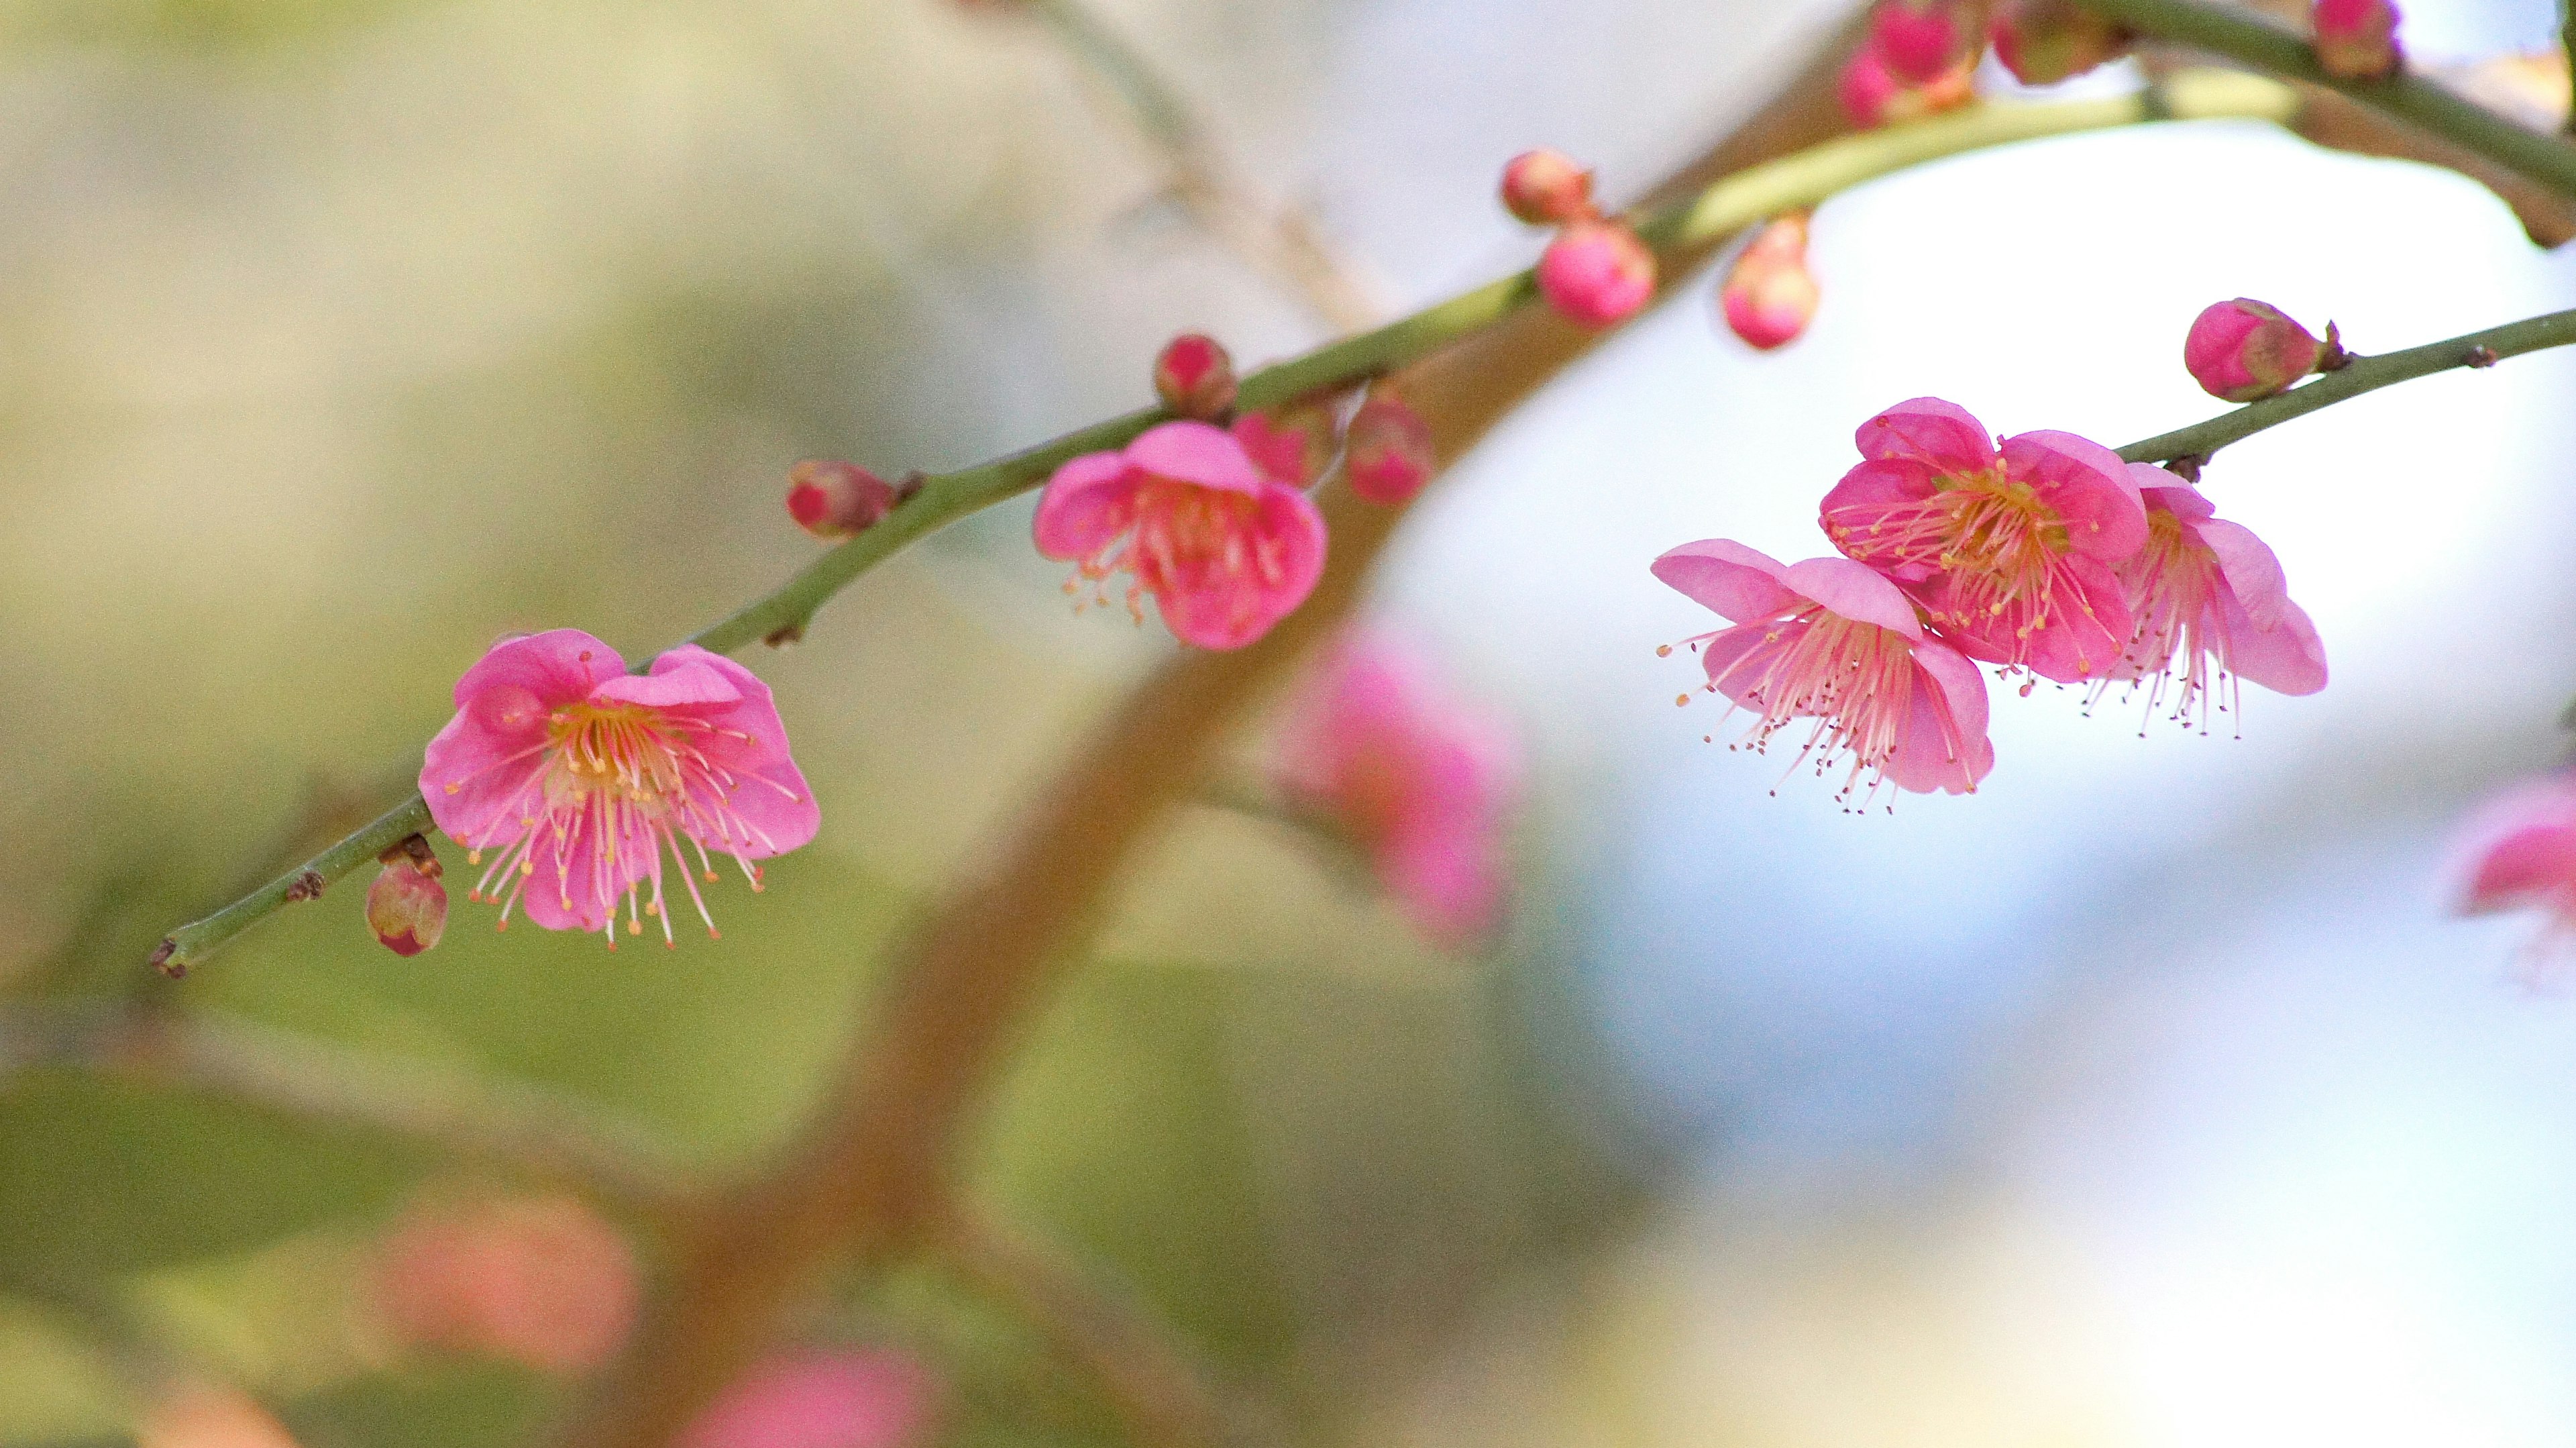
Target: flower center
[
  {"x": 1856, "y": 680},
  {"x": 2001, "y": 547},
  {"x": 2173, "y": 585},
  {"x": 627, "y": 751},
  {"x": 1185, "y": 539}
]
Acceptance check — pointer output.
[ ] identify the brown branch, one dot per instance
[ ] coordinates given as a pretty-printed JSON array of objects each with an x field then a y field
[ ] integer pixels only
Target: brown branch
[{"x": 870, "y": 1174}]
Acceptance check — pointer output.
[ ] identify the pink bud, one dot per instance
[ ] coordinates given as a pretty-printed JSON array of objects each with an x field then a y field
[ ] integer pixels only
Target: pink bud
[
  {"x": 541, "y": 1281},
  {"x": 821, "y": 1399},
  {"x": 2043, "y": 42},
  {"x": 1872, "y": 97},
  {"x": 1770, "y": 296},
  {"x": 835, "y": 499},
  {"x": 1546, "y": 188},
  {"x": 206, "y": 1417},
  {"x": 1918, "y": 40},
  {"x": 1194, "y": 377},
  {"x": 1596, "y": 273},
  {"x": 1387, "y": 451},
  {"x": 1282, "y": 452},
  {"x": 406, "y": 906},
  {"x": 2242, "y": 350},
  {"x": 2357, "y": 39}
]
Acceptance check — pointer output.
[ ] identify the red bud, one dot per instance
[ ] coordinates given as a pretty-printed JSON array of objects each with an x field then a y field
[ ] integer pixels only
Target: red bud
[
  {"x": 1194, "y": 377},
  {"x": 1546, "y": 188},
  {"x": 836, "y": 499}
]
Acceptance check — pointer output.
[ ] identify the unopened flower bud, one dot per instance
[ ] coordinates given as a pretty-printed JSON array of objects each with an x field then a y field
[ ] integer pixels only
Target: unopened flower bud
[
  {"x": 1918, "y": 40},
  {"x": 1872, "y": 97},
  {"x": 2243, "y": 350},
  {"x": 1387, "y": 451},
  {"x": 2357, "y": 39},
  {"x": 1596, "y": 273},
  {"x": 1288, "y": 454},
  {"x": 1194, "y": 377},
  {"x": 836, "y": 499},
  {"x": 1769, "y": 295},
  {"x": 2043, "y": 42},
  {"x": 406, "y": 906},
  {"x": 1546, "y": 188}
]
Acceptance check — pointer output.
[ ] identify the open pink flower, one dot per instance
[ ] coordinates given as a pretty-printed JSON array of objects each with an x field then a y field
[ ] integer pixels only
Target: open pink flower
[
  {"x": 581, "y": 775},
  {"x": 2209, "y": 599},
  {"x": 1225, "y": 549},
  {"x": 1418, "y": 779},
  {"x": 1832, "y": 641},
  {"x": 2518, "y": 852},
  {"x": 819, "y": 1399},
  {"x": 2010, "y": 550},
  {"x": 540, "y": 1281}
]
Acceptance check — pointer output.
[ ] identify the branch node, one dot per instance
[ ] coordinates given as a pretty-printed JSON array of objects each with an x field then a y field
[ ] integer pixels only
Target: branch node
[
  {"x": 163, "y": 958},
  {"x": 910, "y": 488},
  {"x": 309, "y": 885},
  {"x": 2480, "y": 357},
  {"x": 2187, "y": 467},
  {"x": 783, "y": 635},
  {"x": 2332, "y": 357}
]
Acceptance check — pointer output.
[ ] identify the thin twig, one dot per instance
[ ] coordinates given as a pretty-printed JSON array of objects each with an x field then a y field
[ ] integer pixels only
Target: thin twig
[
  {"x": 1162, "y": 1396},
  {"x": 2363, "y": 374},
  {"x": 2567, "y": 44},
  {"x": 1279, "y": 238},
  {"x": 1688, "y": 221},
  {"x": 522, "y": 1128}
]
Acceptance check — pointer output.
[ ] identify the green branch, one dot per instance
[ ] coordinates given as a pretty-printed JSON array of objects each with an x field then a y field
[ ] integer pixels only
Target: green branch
[
  {"x": 1804, "y": 179},
  {"x": 2546, "y": 160},
  {"x": 2362, "y": 374}
]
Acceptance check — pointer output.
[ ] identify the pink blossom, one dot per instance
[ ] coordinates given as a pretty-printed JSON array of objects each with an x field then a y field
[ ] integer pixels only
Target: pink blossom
[
  {"x": 2357, "y": 39},
  {"x": 2010, "y": 550},
  {"x": 1225, "y": 549},
  {"x": 819, "y": 1399},
  {"x": 581, "y": 775},
  {"x": 1769, "y": 295},
  {"x": 1419, "y": 780},
  {"x": 1917, "y": 40},
  {"x": 540, "y": 1281},
  {"x": 1281, "y": 452},
  {"x": 836, "y": 499},
  {"x": 1596, "y": 273},
  {"x": 1546, "y": 188},
  {"x": 2243, "y": 350},
  {"x": 1194, "y": 376},
  {"x": 1832, "y": 641},
  {"x": 210, "y": 1417},
  {"x": 2043, "y": 42},
  {"x": 2518, "y": 852},
  {"x": 1872, "y": 97},
  {"x": 1387, "y": 450},
  {"x": 2210, "y": 600}
]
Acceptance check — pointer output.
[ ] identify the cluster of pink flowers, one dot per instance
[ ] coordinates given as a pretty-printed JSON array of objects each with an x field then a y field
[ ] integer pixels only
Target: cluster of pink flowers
[
  {"x": 544, "y": 1282},
  {"x": 1596, "y": 272},
  {"x": 2044, "y": 555},
  {"x": 1920, "y": 56},
  {"x": 1418, "y": 780}
]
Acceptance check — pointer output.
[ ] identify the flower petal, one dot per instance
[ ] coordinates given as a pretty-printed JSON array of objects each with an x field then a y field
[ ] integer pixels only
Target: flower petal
[
  {"x": 2252, "y": 570},
  {"x": 2161, "y": 489},
  {"x": 671, "y": 683},
  {"x": 1197, "y": 452},
  {"x": 1088, "y": 502},
  {"x": 1854, "y": 509},
  {"x": 2287, "y": 658},
  {"x": 2520, "y": 848},
  {"x": 557, "y": 666},
  {"x": 1233, "y": 608},
  {"x": 1928, "y": 430},
  {"x": 1856, "y": 591},
  {"x": 2087, "y": 485},
  {"x": 1739, "y": 583},
  {"x": 748, "y": 741},
  {"x": 572, "y": 888},
  {"x": 1944, "y": 746}
]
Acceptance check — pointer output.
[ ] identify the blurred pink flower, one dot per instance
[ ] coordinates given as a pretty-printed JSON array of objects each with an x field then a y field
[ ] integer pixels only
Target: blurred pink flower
[
  {"x": 2357, "y": 39},
  {"x": 581, "y": 774},
  {"x": 1281, "y": 451},
  {"x": 1420, "y": 780},
  {"x": 1596, "y": 273},
  {"x": 1769, "y": 295},
  {"x": 2242, "y": 350},
  {"x": 1225, "y": 549},
  {"x": 540, "y": 1281},
  {"x": 1831, "y": 640},
  {"x": 2010, "y": 551},
  {"x": 2518, "y": 852},
  {"x": 2210, "y": 595},
  {"x": 819, "y": 1399},
  {"x": 1917, "y": 40},
  {"x": 1872, "y": 98},
  {"x": 210, "y": 1417}
]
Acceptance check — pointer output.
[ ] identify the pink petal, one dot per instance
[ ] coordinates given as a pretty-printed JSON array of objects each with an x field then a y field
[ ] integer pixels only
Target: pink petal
[
  {"x": 1856, "y": 591},
  {"x": 1864, "y": 498},
  {"x": 1445, "y": 877},
  {"x": 750, "y": 743},
  {"x": 670, "y": 684},
  {"x": 1739, "y": 583},
  {"x": 818, "y": 1399},
  {"x": 557, "y": 666},
  {"x": 2088, "y": 486},
  {"x": 2252, "y": 570},
  {"x": 2287, "y": 658},
  {"x": 2520, "y": 848},
  {"x": 567, "y": 891},
  {"x": 1928, "y": 430},
  {"x": 1737, "y": 660},
  {"x": 2161, "y": 489},
  {"x": 1088, "y": 502},
  {"x": 2077, "y": 646},
  {"x": 1197, "y": 452},
  {"x": 1279, "y": 452},
  {"x": 1233, "y": 609},
  {"x": 1944, "y": 746}
]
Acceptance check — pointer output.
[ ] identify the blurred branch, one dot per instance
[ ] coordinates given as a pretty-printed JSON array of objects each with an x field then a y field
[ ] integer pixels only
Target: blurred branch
[
  {"x": 1161, "y": 1395},
  {"x": 1683, "y": 222},
  {"x": 523, "y": 1128},
  {"x": 2567, "y": 49},
  {"x": 2362, "y": 374},
  {"x": 1281, "y": 239},
  {"x": 2543, "y": 159}
]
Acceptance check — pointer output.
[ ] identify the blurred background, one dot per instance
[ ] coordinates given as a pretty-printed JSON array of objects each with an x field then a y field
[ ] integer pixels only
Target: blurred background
[{"x": 2146, "y": 1097}]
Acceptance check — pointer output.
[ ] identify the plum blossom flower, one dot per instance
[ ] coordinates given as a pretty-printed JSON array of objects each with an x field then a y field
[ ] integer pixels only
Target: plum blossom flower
[
  {"x": 1226, "y": 549},
  {"x": 1419, "y": 780},
  {"x": 819, "y": 1399},
  {"x": 2518, "y": 852},
  {"x": 1833, "y": 641},
  {"x": 539, "y": 1281},
  {"x": 580, "y": 775},
  {"x": 2211, "y": 607},
  {"x": 2009, "y": 549}
]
